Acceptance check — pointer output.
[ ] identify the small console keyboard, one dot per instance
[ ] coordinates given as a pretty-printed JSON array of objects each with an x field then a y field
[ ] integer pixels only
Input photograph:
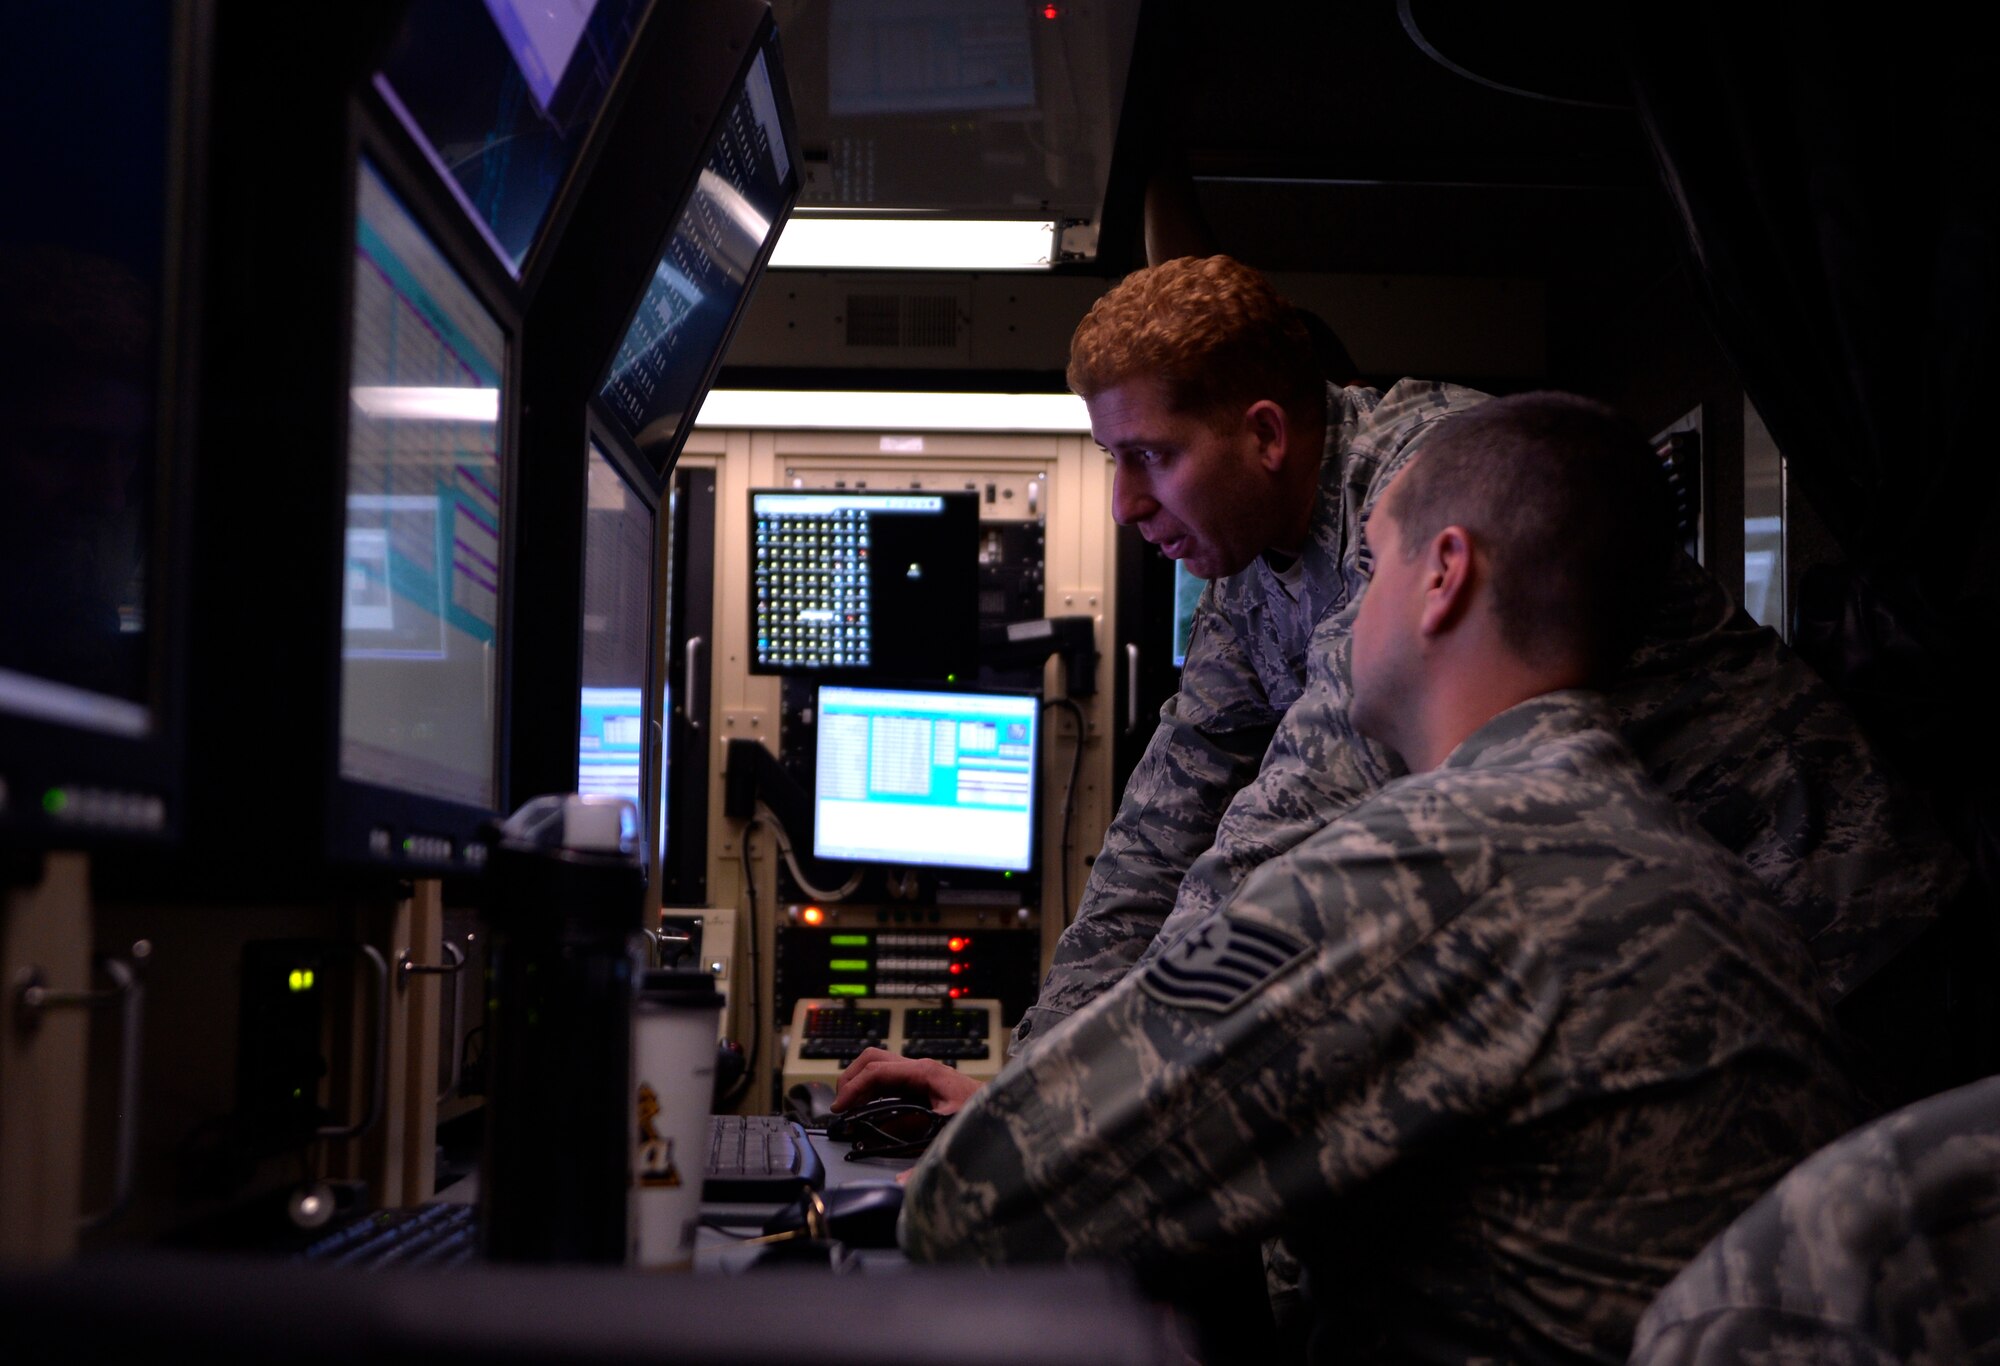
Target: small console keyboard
[
  {"x": 826, "y": 1034},
  {"x": 438, "y": 1233}
]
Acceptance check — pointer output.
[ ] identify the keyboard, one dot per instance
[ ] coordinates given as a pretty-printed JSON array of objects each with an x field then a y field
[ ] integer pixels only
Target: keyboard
[
  {"x": 826, "y": 1035},
  {"x": 758, "y": 1159},
  {"x": 439, "y": 1233}
]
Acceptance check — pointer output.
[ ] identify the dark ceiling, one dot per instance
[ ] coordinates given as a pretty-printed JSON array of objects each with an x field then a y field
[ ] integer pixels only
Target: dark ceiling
[{"x": 1338, "y": 137}]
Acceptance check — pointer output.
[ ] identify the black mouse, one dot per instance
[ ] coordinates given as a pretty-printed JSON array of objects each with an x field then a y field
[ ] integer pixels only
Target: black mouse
[
  {"x": 810, "y": 1103},
  {"x": 859, "y": 1214}
]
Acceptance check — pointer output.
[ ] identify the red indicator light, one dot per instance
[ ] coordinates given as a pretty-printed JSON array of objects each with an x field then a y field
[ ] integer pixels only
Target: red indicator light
[
  {"x": 958, "y": 943},
  {"x": 1051, "y": 12},
  {"x": 957, "y": 992},
  {"x": 813, "y": 915},
  {"x": 957, "y": 968}
]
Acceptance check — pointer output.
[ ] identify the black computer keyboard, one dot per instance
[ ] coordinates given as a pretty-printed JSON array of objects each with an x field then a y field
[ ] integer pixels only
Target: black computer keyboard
[
  {"x": 758, "y": 1159},
  {"x": 439, "y": 1233}
]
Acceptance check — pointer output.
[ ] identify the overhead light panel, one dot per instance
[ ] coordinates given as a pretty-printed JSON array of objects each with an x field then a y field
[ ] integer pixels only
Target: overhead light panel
[
  {"x": 851, "y": 410},
  {"x": 866, "y": 242}
]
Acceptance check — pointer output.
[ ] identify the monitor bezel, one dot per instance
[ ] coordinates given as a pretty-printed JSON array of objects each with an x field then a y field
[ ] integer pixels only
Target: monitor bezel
[
  {"x": 633, "y": 473},
  {"x": 766, "y": 44},
  {"x": 959, "y": 875},
  {"x": 358, "y": 811},
  {"x": 873, "y": 673},
  {"x": 43, "y": 754}
]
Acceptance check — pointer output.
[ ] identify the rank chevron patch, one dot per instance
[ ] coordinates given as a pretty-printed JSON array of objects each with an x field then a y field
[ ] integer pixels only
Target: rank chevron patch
[{"x": 1218, "y": 964}]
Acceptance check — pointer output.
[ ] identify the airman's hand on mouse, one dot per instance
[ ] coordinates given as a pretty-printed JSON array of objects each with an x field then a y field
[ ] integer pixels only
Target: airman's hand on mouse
[{"x": 878, "y": 1072}]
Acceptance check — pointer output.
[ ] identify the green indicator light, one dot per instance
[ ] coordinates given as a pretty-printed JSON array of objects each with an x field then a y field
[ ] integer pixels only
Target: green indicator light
[
  {"x": 951, "y": 678},
  {"x": 408, "y": 843},
  {"x": 309, "y": 979},
  {"x": 847, "y": 989},
  {"x": 55, "y": 801},
  {"x": 848, "y": 941},
  {"x": 848, "y": 965},
  {"x": 298, "y": 1093}
]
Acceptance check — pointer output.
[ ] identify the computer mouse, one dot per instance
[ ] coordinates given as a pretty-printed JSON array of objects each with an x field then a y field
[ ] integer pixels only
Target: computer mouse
[
  {"x": 859, "y": 1214},
  {"x": 810, "y": 1103}
]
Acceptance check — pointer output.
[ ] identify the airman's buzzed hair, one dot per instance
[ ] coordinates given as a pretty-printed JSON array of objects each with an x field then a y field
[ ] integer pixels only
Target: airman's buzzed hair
[
  {"x": 1211, "y": 328},
  {"x": 1569, "y": 505}
]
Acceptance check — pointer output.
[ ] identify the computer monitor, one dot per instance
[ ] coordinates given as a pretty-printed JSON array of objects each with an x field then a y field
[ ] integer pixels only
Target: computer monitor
[
  {"x": 673, "y": 344},
  {"x": 912, "y": 777},
  {"x": 864, "y": 585},
  {"x": 501, "y": 95},
  {"x": 618, "y": 569},
  {"x": 97, "y": 326},
  {"x": 425, "y": 521}
]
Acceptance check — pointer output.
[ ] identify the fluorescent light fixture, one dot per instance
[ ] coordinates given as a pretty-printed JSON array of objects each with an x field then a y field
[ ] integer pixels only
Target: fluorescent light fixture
[
  {"x": 847, "y": 410},
  {"x": 404, "y": 402},
  {"x": 869, "y": 243}
]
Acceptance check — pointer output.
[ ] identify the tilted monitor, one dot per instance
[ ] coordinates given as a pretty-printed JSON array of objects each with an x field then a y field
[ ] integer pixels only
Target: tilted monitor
[
  {"x": 917, "y": 777},
  {"x": 425, "y": 525},
  {"x": 97, "y": 327},
  {"x": 728, "y": 223},
  {"x": 501, "y": 95}
]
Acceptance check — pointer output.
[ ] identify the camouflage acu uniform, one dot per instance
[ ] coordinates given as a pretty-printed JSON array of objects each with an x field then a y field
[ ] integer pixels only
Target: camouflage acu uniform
[
  {"x": 1496, "y": 1052},
  {"x": 1735, "y": 727},
  {"x": 1246, "y": 665},
  {"x": 1884, "y": 1247}
]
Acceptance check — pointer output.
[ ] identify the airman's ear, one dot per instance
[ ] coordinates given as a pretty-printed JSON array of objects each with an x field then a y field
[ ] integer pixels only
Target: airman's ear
[
  {"x": 1267, "y": 424},
  {"x": 1448, "y": 580}
]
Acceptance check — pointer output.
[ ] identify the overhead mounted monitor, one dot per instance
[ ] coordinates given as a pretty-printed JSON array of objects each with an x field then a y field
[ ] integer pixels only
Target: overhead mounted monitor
[
  {"x": 926, "y": 778},
  {"x": 864, "y": 585},
  {"x": 720, "y": 242},
  {"x": 501, "y": 95},
  {"x": 425, "y": 518}
]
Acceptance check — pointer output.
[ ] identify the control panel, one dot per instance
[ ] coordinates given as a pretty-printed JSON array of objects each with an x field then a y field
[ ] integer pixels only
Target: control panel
[{"x": 852, "y": 962}]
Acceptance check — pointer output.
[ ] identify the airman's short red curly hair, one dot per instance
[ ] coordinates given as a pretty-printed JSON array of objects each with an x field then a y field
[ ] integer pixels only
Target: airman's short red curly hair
[{"x": 1211, "y": 328}]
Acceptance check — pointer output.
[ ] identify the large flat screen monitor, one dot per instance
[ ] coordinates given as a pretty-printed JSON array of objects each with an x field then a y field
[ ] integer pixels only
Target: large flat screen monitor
[
  {"x": 936, "y": 779},
  {"x": 618, "y": 543},
  {"x": 501, "y": 95},
  {"x": 425, "y": 518},
  {"x": 724, "y": 233},
  {"x": 864, "y": 585},
  {"x": 96, "y": 285}
]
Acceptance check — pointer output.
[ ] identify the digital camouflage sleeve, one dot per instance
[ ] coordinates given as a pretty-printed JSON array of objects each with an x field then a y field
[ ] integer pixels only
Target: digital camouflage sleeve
[
  {"x": 1882, "y": 1248},
  {"x": 1737, "y": 729},
  {"x": 1497, "y": 1053}
]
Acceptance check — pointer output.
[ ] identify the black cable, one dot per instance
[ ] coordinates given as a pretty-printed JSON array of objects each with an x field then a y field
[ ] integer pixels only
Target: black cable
[
  {"x": 743, "y": 1082},
  {"x": 1069, "y": 800}
]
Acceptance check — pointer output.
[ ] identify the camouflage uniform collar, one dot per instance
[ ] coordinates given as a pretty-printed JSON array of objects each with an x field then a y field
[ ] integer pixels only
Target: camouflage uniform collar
[{"x": 1516, "y": 733}]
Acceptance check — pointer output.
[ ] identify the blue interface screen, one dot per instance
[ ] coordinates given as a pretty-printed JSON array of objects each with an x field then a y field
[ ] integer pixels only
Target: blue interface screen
[{"x": 943, "y": 779}]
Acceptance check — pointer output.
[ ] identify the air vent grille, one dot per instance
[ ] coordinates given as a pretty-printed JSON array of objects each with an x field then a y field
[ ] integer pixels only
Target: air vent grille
[
  {"x": 874, "y": 320},
  {"x": 895, "y": 320}
]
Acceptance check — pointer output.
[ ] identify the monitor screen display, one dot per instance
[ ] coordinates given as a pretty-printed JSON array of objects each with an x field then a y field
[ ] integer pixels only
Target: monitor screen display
[
  {"x": 83, "y": 313},
  {"x": 943, "y": 779},
  {"x": 421, "y": 591},
  {"x": 1187, "y": 597},
  {"x": 857, "y": 583},
  {"x": 610, "y": 753},
  {"x": 501, "y": 95},
  {"x": 674, "y": 342},
  {"x": 617, "y": 631}
]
